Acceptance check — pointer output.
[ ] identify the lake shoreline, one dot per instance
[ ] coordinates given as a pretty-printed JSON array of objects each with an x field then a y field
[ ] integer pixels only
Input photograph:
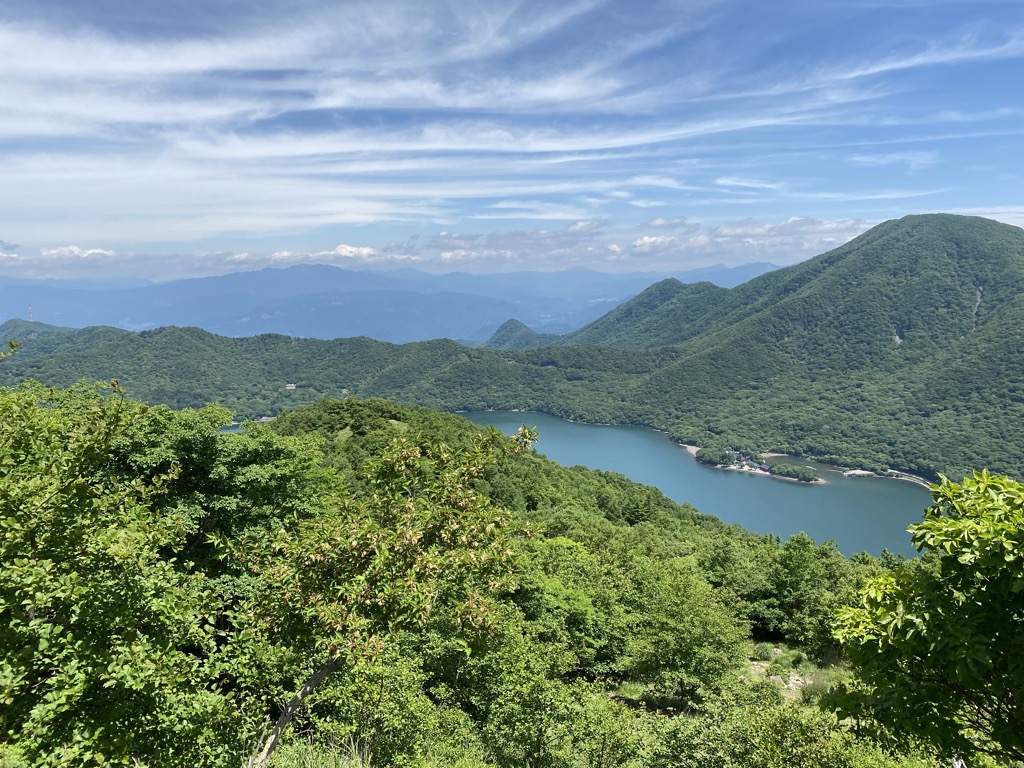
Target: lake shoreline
[
  {"x": 890, "y": 475},
  {"x": 858, "y": 514},
  {"x": 692, "y": 450}
]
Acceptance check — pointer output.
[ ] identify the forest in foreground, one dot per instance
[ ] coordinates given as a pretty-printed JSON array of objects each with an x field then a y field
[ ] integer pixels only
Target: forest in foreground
[{"x": 370, "y": 584}]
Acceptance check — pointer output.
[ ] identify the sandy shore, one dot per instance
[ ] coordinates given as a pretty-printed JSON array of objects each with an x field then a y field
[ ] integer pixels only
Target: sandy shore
[{"x": 692, "y": 450}]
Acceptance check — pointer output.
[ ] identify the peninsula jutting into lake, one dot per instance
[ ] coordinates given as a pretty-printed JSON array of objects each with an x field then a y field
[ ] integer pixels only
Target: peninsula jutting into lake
[{"x": 857, "y": 513}]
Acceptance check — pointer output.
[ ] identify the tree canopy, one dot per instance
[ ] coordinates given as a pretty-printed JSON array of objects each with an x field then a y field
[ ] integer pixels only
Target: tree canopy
[
  {"x": 164, "y": 584},
  {"x": 385, "y": 576},
  {"x": 937, "y": 645}
]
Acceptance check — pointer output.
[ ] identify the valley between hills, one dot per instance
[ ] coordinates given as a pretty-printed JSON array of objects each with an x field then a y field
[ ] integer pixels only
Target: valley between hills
[
  {"x": 369, "y": 582},
  {"x": 899, "y": 350},
  {"x": 400, "y": 384}
]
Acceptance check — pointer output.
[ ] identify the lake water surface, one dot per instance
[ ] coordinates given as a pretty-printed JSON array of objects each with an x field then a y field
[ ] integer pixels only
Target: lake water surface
[{"x": 857, "y": 513}]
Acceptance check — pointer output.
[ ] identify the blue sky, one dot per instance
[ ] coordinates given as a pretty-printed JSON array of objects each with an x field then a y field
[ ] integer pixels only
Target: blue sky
[{"x": 184, "y": 138}]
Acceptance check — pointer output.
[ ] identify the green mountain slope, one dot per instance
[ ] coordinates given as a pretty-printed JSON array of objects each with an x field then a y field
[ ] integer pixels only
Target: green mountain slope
[
  {"x": 900, "y": 349},
  {"x": 918, "y": 278},
  {"x": 666, "y": 313},
  {"x": 855, "y": 347},
  {"x": 513, "y": 334}
]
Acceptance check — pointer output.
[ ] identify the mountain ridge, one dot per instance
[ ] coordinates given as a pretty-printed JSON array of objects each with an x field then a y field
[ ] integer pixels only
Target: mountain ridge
[
  {"x": 844, "y": 357},
  {"x": 324, "y": 301}
]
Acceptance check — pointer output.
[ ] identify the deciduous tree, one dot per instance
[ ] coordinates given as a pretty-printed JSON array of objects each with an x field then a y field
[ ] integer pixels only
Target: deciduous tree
[{"x": 937, "y": 651}]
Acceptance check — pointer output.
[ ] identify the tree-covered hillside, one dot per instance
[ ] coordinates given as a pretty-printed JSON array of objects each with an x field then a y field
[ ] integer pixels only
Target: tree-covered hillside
[
  {"x": 514, "y": 334},
  {"x": 898, "y": 350},
  {"x": 395, "y": 584}
]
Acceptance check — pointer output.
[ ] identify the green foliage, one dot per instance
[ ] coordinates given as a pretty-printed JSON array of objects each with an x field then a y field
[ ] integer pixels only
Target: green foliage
[
  {"x": 764, "y": 651},
  {"x": 394, "y": 584},
  {"x": 683, "y": 639},
  {"x": 755, "y": 729},
  {"x": 10, "y": 757},
  {"x": 715, "y": 457},
  {"x": 117, "y": 648},
  {"x": 98, "y": 625},
  {"x": 515, "y": 335},
  {"x": 379, "y": 706},
  {"x": 800, "y": 472},
  {"x": 935, "y": 647},
  {"x": 808, "y": 582}
]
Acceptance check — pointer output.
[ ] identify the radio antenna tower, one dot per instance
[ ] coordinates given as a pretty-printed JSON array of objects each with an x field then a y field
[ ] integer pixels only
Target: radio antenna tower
[{"x": 30, "y": 313}]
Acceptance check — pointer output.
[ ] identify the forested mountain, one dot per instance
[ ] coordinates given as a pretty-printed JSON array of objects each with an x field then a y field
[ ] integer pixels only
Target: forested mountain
[
  {"x": 666, "y": 313},
  {"x": 514, "y": 334},
  {"x": 326, "y": 302},
  {"x": 371, "y": 583},
  {"x": 927, "y": 280},
  {"x": 900, "y": 349}
]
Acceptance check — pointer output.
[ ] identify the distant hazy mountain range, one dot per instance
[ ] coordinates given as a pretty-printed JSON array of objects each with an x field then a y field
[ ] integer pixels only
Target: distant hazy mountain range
[
  {"x": 903, "y": 348},
  {"x": 327, "y": 302}
]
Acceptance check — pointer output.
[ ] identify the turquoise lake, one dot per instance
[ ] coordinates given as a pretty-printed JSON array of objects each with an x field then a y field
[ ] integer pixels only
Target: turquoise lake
[{"x": 859, "y": 514}]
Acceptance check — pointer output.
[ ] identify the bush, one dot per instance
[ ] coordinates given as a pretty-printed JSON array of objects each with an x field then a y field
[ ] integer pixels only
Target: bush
[
  {"x": 799, "y": 472},
  {"x": 714, "y": 456},
  {"x": 764, "y": 651},
  {"x": 347, "y": 754},
  {"x": 11, "y": 757}
]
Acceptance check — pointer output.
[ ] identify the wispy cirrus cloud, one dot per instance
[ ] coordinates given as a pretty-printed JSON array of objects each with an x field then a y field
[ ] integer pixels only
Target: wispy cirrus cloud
[
  {"x": 737, "y": 181},
  {"x": 290, "y": 127},
  {"x": 675, "y": 222},
  {"x": 914, "y": 161}
]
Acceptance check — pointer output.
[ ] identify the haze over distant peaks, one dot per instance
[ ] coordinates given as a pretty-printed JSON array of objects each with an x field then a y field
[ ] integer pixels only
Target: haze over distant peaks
[{"x": 321, "y": 301}]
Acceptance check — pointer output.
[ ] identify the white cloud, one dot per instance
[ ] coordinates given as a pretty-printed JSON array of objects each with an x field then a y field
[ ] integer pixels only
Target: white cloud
[
  {"x": 746, "y": 240},
  {"x": 294, "y": 124},
  {"x": 355, "y": 251},
  {"x": 532, "y": 209},
  {"x": 654, "y": 243},
  {"x": 674, "y": 222},
  {"x": 459, "y": 254},
  {"x": 736, "y": 181},
  {"x": 1008, "y": 45},
  {"x": 588, "y": 225},
  {"x": 584, "y": 243},
  {"x": 914, "y": 161},
  {"x": 75, "y": 253},
  {"x": 341, "y": 254}
]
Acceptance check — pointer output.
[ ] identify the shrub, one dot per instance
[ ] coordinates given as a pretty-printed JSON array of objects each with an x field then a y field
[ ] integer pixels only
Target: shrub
[{"x": 764, "y": 651}]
